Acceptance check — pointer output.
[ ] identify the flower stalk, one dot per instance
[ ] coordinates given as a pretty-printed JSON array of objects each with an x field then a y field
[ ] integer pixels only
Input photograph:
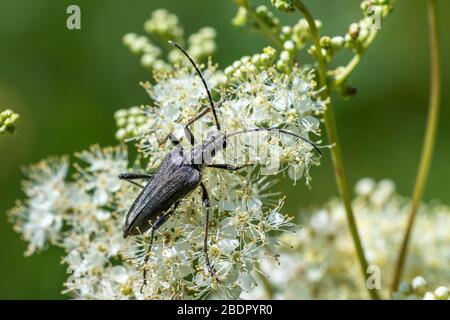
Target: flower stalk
[
  {"x": 338, "y": 165},
  {"x": 353, "y": 63},
  {"x": 429, "y": 140}
]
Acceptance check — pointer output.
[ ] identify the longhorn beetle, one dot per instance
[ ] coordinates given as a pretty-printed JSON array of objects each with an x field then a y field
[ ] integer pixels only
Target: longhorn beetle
[{"x": 179, "y": 174}]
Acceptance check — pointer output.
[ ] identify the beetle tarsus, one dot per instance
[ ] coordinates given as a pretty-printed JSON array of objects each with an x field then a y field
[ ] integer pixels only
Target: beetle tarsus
[
  {"x": 129, "y": 177},
  {"x": 205, "y": 200},
  {"x": 155, "y": 227},
  {"x": 212, "y": 273},
  {"x": 147, "y": 255}
]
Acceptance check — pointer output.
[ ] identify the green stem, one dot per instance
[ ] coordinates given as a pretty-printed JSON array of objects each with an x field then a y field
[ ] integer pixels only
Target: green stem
[
  {"x": 429, "y": 140},
  {"x": 316, "y": 40},
  {"x": 348, "y": 69},
  {"x": 330, "y": 124},
  {"x": 354, "y": 62}
]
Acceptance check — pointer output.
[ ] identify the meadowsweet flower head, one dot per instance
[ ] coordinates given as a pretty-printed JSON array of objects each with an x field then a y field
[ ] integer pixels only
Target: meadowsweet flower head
[
  {"x": 39, "y": 219},
  {"x": 90, "y": 208},
  {"x": 244, "y": 218},
  {"x": 273, "y": 99},
  {"x": 102, "y": 265},
  {"x": 165, "y": 25},
  {"x": 321, "y": 262},
  {"x": 262, "y": 98}
]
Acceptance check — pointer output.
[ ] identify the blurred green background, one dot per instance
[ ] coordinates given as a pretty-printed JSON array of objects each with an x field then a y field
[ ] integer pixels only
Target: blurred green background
[{"x": 67, "y": 84}]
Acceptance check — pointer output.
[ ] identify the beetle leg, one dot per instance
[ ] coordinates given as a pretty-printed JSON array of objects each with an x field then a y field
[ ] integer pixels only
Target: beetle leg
[
  {"x": 205, "y": 199},
  {"x": 133, "y": 176},
  {"x": 174, "y": 140},
  {"x": 147, "y": 254},
  {"x": 158, "y": 223},
  {"x": 228, "y": 167},
  {"x": 128, "y": 176},
  {"x": 189, "y": 135},
  {"x": 201, "y": 114},
  {"x": 188, "y": 132}
]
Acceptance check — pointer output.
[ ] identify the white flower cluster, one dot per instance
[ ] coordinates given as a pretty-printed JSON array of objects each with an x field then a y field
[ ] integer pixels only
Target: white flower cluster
[
  {"x": 85, "y": 216},
  {"x": 257, "y": 98},
  {"x": 253, "y": 94},
  {"x": 322, "y": 264},
  {"x": 259, "y": 61},
  {"x": 266, "y": 99},
  {"x": 177, "y": 97},
  {"x": 39, "y": 219},
  {"x": 294, "y": 39},
  {"x": 289, "y": 38},
  {"x": 162, "y": 27}
]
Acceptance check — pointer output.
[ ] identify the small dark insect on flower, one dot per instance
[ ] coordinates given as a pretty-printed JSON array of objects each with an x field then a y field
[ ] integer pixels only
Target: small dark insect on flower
[{"x": 179, "y": 174}]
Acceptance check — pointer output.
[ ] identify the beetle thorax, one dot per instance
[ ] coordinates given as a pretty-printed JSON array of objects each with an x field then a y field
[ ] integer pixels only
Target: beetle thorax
[{"x": 202, "y": 154}]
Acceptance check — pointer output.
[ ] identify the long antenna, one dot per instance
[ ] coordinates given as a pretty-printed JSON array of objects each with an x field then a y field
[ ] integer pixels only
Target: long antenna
[
  {"x": 279, "y": 130},
  {"x": 211, "y": 102}
]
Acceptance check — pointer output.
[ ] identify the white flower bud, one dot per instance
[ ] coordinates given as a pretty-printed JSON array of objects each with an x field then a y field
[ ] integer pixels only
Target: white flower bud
[
  {"x": 337, "y": 42},
  {"x": 286, "y": 29},
  {"x": 365, "y": 186},
  {"x": 264, "y": 58},
  {"x": 121, "y": 134},
  {"x": 429, "y": 296},
  {"x": 147, "y": 60},
  {"x": 229, "y": 70},
  {"x": 129, "y": 38},
  {"x": 419, "y": 284},
  {"x": 256, "y": 59},
  {"x": 285, "y": 56},
  {"x": 289, "y": 45},
  {"x": 441, "y": 293}
]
